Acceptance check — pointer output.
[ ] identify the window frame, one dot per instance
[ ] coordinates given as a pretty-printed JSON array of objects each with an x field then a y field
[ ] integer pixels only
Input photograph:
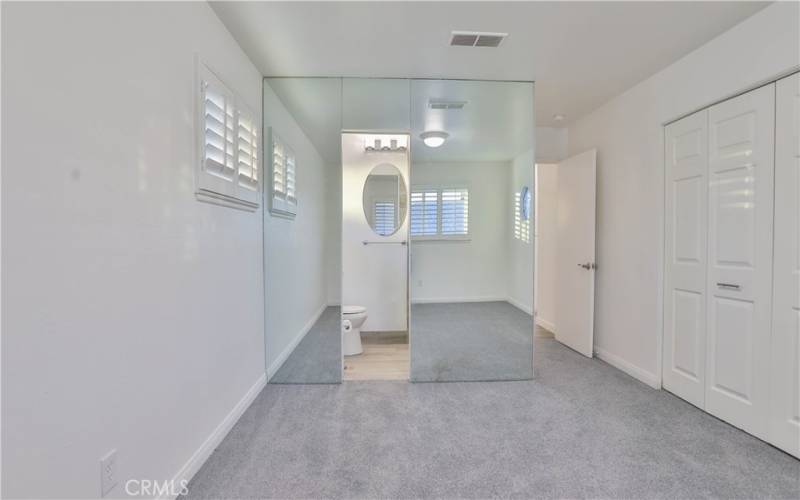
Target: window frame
[
  {"x": 282, "y": 204},
  {"x": 217, "y": 185},
  {"x": 439, "y": 188}
]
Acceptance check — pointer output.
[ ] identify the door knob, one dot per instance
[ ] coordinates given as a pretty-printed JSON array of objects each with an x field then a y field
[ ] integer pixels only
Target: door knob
[{"x": 587, "y": 266}]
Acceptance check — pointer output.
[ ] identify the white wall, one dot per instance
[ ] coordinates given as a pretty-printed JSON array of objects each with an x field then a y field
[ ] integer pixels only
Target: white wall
[
  {"x": 333, "y": 231},
  {"x": 628, "y": 134},
  {"x": 132, "y": 313},
  {"x": 453, "y": 271},
  {"x": 546, "y": 244},
  {"x": 294, "y": 249},
  {"x": 551, "y": 144},
  {"x": 520, "y": 253}
]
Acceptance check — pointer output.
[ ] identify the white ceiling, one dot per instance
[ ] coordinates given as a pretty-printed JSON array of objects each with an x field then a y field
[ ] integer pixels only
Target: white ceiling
[{"x": 580, "y": 54}]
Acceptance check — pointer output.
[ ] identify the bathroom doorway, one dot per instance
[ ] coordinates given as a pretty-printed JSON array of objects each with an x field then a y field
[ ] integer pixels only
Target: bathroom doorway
[{"x": 375, "y": 206}]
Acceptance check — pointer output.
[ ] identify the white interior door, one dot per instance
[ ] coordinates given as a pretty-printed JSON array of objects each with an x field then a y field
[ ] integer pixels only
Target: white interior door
[
  {"x": 576, "y": 258},
  {"x": 685, "y": 228},
  {"x": 741, "y": 177},
  {"x": 784, "y": 421}
]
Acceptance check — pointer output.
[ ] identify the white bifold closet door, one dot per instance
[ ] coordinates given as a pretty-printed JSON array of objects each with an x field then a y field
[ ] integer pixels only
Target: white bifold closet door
[
  {"x": 686, "y": 148},
  {"x": 784, "y": 421},
  {"x": 741, "y": 135}
]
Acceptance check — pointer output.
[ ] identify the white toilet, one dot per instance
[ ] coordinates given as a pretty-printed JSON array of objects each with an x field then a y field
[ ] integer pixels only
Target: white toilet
[{"x": 352, "y": 319}]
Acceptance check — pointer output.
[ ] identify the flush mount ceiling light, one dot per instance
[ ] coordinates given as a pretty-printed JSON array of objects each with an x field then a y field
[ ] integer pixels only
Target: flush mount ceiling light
[
  {"x": 558, "y": 117},
  {"x": 433, "y": 139}
]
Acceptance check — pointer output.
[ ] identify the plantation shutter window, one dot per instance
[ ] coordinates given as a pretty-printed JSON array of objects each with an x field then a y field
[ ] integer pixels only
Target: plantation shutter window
[
  {"x": 384, "y": 218},
  {"x": 455, "y": 212},
  {"x": 521, "y": 226},
  {"x": 228, "y": 142},
  {"x": 248, "y": 151},
  {"x": 291, "y": 193},
  {"x": 440, "y": 213},
  {"x": 424, "y": 212},
  {"x": 219, "y": 119},
  {"x": 284, "y": 178}
]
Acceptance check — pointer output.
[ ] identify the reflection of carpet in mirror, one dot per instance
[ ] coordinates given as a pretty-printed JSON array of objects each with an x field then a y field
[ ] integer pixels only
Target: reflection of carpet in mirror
[{"x": 385, "y": 357}]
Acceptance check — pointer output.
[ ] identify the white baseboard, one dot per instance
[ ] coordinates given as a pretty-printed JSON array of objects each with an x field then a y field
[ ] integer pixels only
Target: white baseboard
[
  {"x": 629, "y": 368},
  {"x": 448, "y": 300},
  {"x": 547, "y": 325},
  {"x": 520, "y": 305},
  {"x": 190, "y": 468},
  {"x": 287, "y": 351}
]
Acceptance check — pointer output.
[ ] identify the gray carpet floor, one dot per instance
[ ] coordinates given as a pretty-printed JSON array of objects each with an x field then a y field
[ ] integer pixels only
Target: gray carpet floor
[
  {"x": 470, "y": 341},
  {"x": 317, "y": 359},
  {"x": 580, "y": 429}
]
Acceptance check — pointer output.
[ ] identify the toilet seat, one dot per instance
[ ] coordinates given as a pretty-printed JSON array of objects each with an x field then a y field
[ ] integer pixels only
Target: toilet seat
[{"x": 353, "y": 309}]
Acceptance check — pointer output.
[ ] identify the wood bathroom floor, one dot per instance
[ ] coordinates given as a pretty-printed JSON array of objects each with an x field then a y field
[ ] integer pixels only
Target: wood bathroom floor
[{"x": 385, "y": 357}]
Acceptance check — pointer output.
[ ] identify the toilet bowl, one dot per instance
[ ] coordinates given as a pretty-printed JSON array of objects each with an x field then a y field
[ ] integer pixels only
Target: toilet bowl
[{"x": 352, "y": 319}]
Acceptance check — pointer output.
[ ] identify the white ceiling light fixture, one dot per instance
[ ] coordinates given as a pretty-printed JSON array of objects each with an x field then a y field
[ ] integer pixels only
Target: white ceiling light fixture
[
  {"x": 558, "y": 117},
  {"x": 433, "y": 138}
]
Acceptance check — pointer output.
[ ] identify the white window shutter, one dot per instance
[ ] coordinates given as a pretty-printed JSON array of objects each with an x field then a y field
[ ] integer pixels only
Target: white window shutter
[
  {"x": 247, "y": 154},
  {"x": 424, "y": 212},
  {"x": 521, "y": 226},
  {"x": 227, "y": 170},
  {"x": 217, "y": 124},
  {"x": 383, "y": 218},
  {"x": 283, "y": 168},
  {"x": 454, "y": 212}
]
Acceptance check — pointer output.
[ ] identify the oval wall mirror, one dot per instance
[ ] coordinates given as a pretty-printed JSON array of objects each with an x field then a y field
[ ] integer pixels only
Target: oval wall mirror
[{"x": 385, "y": 199}]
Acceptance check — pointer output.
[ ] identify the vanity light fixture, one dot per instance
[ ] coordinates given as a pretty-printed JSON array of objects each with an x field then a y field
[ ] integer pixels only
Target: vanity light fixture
[{"x": 433, "y": 139}]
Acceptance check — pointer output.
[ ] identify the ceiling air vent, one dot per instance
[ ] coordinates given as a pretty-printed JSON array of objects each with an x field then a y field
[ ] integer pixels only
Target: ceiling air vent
[
  {"x": 442, "y": 104},
  {"x": 476, "y": 39}
]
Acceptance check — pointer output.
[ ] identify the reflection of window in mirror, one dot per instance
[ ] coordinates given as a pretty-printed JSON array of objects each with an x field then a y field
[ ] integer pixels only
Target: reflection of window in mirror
[
  {"x": 440, "y": 212},
  {"x": 384, "y": 219},
  {"x": 385, "y": 199},
  {"x": 522, "y": 222}
]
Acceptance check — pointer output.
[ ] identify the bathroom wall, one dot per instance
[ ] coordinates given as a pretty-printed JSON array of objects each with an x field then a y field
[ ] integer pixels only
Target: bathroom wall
[
  {"x": 295, "y": 250},
  {"x": 132, "y": 312},
  {"x": 520, "y": 253},
  {"x": 446, "y": 271}
]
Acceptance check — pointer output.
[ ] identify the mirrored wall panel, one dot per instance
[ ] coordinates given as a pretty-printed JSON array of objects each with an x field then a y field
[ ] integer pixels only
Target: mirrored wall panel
[
  {"x": 399, "y": 238},
  {"x": 471, "y": 234},
  {"x": 302, "y": 168}
]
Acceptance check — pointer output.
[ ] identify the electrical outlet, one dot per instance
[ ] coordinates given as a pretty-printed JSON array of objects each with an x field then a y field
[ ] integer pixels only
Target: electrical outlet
[{"x": 108, "y": 472}]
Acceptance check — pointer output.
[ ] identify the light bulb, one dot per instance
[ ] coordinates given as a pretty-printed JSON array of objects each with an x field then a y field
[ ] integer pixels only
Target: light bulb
[{"x": 433, "y": 139}]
